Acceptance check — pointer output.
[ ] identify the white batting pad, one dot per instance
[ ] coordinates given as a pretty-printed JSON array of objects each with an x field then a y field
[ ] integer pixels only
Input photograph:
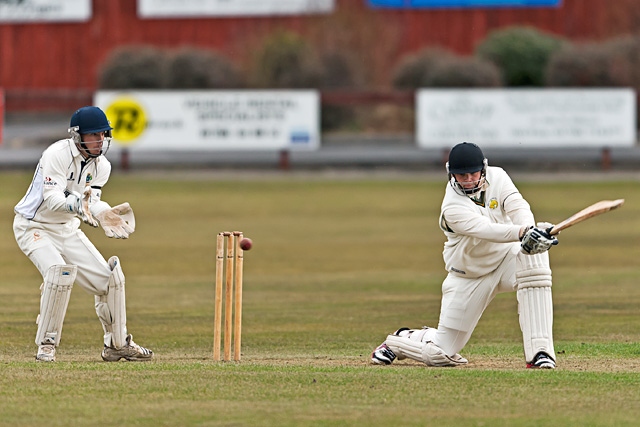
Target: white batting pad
[
  {"x": 432, "y": 355},
  {"x": 111, "y": 308},
  {"x": 54, "y": 300},
  {"x": 416, "y": 344},
  {"x": 535, "y": 304},
  {"x": 405, "y": 347}
]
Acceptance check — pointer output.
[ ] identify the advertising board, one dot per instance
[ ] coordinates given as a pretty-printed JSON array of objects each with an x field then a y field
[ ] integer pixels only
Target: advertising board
[
  {"x": 213, "y": 120},
  {"x": 526, "y": 117}
]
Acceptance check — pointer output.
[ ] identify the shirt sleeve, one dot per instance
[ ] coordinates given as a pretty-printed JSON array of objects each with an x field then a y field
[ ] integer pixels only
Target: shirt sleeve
[
  {"x": 470, "y": 223},
  {"x": 514, "y": 205},
  {"x": 54, "y": 173}
]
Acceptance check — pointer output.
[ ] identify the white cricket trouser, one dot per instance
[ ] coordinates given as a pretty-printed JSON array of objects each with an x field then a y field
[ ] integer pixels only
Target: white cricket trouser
[
  {"x": 55, "y": 244},
  {"x": 465, "y": 299}
]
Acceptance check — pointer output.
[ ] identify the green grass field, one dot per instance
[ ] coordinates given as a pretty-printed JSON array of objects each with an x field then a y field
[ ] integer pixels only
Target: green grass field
[{"x": 338, "y": 262}]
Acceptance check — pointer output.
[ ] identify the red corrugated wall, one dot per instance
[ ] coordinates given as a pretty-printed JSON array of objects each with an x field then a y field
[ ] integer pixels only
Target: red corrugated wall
[{"x": 54, "y": 57}]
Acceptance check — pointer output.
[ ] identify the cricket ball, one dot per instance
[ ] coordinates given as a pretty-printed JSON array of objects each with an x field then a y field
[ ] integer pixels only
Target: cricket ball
[{"x": 246, "y": 244}]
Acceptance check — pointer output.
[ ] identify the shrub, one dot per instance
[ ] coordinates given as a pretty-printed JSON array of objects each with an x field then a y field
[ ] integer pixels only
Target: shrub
[
  {"x": 464, "y": 72},
  {"x": 521, "y": 53},
  {"x": 133, "y": 67},
  {"x": 624, "y": 60},
  {"x": 584, "y": 65},
  {"x": 413, "y": 70},
  {"x": 286, "y": 61},
  {"x": 191, "y": 68},
  {"x": 336, "y": 74},
  {"x": 612, "y": 63},
  {"x": 336, "y": 71}
]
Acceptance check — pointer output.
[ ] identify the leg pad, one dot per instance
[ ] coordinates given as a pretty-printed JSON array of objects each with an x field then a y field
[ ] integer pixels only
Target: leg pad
[
  {"x": 111, "y": 308},
  {"x": 416, "y": 344},
  {"x": 535, "y": 305},
  {"x": 54, "y": 300}
]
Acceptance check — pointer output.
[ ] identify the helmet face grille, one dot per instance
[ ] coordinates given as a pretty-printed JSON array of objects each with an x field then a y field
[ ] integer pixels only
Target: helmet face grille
[
  {"x": 466, "y": 158},
  {"x": 90, "y": 120}
]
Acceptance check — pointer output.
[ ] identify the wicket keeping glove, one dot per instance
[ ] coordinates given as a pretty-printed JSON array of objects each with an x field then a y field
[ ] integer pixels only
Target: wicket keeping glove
[
  {"x": 118, "y": 221},
  {"x": 79, "y": 205}
]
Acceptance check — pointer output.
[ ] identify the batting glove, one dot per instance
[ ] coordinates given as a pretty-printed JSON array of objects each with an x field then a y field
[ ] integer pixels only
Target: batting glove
[{"x": 536, "y": 241}]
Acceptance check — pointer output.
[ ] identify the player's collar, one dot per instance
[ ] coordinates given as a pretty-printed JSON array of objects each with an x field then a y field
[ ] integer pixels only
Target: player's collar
[
  {"x": 479, "y": 196},
  {"x": 74, "y": 149}
]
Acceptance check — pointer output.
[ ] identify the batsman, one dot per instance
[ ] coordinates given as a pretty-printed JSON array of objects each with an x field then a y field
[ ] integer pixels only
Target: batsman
[
  {"x": 493, "y": 246},
  {"x": 66, "y": 190}
]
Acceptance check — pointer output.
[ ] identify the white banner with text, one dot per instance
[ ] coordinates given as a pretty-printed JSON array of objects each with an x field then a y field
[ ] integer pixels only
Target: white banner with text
[
  {"x": 13, "y": 11},
  {"x": 526, "y": 117},
  {"x": 209, "y": 8}
]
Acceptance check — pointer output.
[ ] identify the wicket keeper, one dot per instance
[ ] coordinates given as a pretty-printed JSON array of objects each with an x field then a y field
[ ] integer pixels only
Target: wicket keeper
[{"x": 67, "y": 189}]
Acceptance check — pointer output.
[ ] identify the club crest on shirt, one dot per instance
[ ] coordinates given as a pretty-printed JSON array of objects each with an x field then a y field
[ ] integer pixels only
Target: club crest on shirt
[
  {"x": 89, "y": 178},
  {"x": 493, "y": 203}
]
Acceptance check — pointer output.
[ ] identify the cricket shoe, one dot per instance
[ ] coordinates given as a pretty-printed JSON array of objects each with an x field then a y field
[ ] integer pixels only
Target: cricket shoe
[
  {"x": 46, "y": 353},
  {"x": 383, "y": 355},
  {"x": 131, "y": 351},
  {"x": 542, "y": 361}
]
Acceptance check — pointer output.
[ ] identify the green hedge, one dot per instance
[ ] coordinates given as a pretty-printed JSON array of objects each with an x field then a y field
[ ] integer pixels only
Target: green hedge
[
  {"x": 133, "y": 67},
  {"x": 611, "y": 63},
  {"x": 413, "y": 70},
  {"x": 285, "y": 60},
  {"x": 146, "y": 67},
  {"x": 464, "y": 72},
  {"x": 521, "y": 53}
]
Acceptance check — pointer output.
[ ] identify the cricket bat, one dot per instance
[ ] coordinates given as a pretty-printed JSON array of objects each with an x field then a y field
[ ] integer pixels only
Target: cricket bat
[{"x": 586, "y": 213}]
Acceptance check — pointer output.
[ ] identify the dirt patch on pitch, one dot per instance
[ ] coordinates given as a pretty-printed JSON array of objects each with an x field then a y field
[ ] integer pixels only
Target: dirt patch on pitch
[{"x": 573, "y": 364}]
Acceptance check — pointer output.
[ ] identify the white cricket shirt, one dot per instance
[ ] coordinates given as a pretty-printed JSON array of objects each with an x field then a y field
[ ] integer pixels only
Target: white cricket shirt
[
  {"x": 481, "y": 231},
  {"x": 61, "y": 170}
]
